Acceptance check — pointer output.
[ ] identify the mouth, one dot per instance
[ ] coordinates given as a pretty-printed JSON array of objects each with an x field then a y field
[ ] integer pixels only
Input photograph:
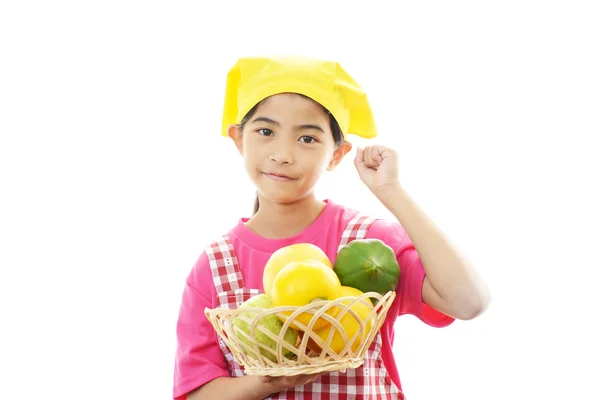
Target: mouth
[{"x": 278, "y": 177}]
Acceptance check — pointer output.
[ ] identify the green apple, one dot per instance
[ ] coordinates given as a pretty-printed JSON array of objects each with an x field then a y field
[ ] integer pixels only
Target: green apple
[{"x": 270, "y": 322}]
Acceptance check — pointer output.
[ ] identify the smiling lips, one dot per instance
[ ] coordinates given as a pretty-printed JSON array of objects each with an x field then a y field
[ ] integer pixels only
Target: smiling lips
[{"x": 278, "y": 177}]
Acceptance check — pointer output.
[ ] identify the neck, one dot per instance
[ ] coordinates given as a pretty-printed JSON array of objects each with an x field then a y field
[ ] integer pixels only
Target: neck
[{"x": 281, "y": 220}]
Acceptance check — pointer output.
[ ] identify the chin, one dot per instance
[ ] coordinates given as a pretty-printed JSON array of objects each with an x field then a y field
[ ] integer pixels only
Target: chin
[{"x": 282, "y": 198}]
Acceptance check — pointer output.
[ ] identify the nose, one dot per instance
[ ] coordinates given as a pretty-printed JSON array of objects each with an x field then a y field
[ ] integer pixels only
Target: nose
[{"x": 282, "y": 154}]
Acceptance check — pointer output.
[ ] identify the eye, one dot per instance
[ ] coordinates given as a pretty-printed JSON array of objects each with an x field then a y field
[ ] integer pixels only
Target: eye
[
  {"x": 308, "y": 139},
  {"x": 265, "y": 132}
]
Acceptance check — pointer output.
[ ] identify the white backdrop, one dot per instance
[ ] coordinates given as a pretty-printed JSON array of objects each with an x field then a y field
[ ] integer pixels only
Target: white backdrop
[{"x": 114, "y": 177}]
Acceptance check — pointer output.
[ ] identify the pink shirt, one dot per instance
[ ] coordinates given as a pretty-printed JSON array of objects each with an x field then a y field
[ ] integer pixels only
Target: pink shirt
[{"x": 198, "y": 356}]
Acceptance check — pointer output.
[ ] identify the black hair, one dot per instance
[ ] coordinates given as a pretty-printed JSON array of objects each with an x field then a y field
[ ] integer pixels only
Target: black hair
[{"x": 336, "y": 130}]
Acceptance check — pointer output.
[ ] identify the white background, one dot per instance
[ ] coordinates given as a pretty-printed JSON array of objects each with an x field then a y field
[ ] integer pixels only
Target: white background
[{"x": 114, "y": 177}]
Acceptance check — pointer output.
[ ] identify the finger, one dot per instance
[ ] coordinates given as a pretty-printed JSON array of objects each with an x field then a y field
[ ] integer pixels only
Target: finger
[
  {"x": 359, "y": 162},
  {"x": 359, "y": 158},
  {"x": 366, "y": 156},
  {"x": 310, "y": 378},
  {"x": 290, "y": 381},
  {"x": 283, "y": 382},
  {"x": 369, "y": 162},
  {"x": 266, "y": 378},
  {"x": 378, "y": 155},
  {"x": 374, "y": 157}
]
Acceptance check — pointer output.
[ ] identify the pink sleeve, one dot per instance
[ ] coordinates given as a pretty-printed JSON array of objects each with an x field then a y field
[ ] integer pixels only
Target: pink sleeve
[
  {"x": 198, "y": 358},
  {"x": 412, "y": 274}
]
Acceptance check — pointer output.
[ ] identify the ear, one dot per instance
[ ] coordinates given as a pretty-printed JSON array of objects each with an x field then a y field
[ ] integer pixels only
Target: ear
[
  {"x": 338, "y": 155},
  {"x": 234, "y": 132}
]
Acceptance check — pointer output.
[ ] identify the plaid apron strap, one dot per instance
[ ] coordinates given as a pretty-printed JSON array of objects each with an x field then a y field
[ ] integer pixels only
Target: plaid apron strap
[
  {"x": 356, "y": 229},
  {"x": 229, "y": 284},
  {"x": 226, "y": 272}
]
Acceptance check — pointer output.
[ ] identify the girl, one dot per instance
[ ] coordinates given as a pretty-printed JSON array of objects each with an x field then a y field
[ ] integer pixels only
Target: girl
[{"x": 290, "y": 119}]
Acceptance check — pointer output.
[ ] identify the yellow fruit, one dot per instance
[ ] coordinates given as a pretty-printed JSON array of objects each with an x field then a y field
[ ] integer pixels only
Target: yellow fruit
[
  {"x": 300, "y": 283},
  {"x": 288, "y": 254},
  {"x": 349, "y": 323}
]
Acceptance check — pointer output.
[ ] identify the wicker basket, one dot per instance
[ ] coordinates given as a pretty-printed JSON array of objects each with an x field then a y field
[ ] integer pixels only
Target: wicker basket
[{"x": 300, "y": 359}]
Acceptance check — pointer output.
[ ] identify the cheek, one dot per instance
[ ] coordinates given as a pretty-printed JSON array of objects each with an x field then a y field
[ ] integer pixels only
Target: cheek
[
  {"x": 324, "y": 159},
  {"x": 250, "y": 165},
  {"x": 316, "y": 164},
  {"x": 251, "y": 157}
]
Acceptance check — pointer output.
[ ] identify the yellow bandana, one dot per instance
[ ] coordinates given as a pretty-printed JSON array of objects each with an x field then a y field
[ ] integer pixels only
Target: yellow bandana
[{"x": 254, "y": 79}]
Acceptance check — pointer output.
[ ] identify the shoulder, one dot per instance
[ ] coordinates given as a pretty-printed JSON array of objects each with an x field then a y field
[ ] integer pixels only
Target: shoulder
[
  {"x": 200, "y": 276},
  {"x": 379, "y": 227},
  {"x": 388, "y": 230},
  {"x": 344, "y": 215}
]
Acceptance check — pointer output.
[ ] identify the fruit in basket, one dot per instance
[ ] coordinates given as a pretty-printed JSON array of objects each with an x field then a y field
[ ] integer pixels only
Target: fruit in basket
[
  {"x": 292, "y": 253},
  {"x": 368, "y": 265},
  {"x": 348, "y": 322},
  {"x": 270, "y": 322},
  {"x": 301, "y": 283}
]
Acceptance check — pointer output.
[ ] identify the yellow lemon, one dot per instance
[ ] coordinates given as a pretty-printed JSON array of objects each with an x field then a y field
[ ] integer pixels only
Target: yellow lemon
[
  {"x": 349, "y": 324},
  {"x": 288, "y": 254},
  {"x": 300, "y": 283}
]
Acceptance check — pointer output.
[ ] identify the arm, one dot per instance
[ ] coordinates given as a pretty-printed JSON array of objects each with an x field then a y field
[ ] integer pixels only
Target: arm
[
  {"x": 242, "y": 388},
  {"x": 247, "y": 387},
  {"x": 200, "y": 368},
  {"x": 451, "y": 284}
]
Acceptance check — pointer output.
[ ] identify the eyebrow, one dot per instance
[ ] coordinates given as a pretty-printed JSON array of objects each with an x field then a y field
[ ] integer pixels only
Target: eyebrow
[{"x": 297, "y": 127}]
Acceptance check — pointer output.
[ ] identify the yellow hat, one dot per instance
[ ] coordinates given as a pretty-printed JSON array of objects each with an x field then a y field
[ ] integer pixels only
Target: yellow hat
[{"x": 254, "y": 79}]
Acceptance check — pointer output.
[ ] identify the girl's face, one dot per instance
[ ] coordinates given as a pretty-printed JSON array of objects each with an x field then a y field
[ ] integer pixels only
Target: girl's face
[{"x": 287, "y": 144}]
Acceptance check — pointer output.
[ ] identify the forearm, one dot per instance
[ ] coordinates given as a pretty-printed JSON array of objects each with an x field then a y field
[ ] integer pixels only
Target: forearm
[
  {"x": 241, "y": 388},
  {"x": 449, "y": 273}
]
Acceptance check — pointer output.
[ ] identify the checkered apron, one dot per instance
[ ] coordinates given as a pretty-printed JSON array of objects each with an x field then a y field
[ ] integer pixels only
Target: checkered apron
[{"x": 369, "y": 381}]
